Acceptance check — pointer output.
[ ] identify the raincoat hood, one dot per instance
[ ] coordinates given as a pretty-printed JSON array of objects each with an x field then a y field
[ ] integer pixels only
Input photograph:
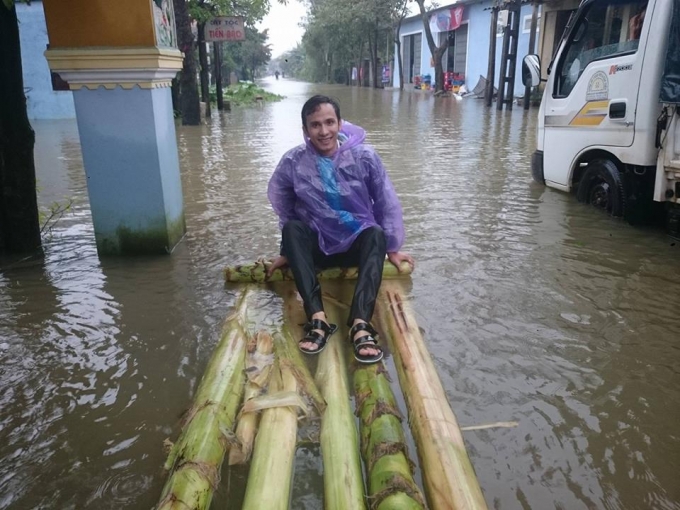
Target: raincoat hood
[{"x": 337, "y": 196}]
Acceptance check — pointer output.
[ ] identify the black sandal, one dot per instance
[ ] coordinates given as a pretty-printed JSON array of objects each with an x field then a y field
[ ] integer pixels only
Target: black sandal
[
  {"x": 315, "y": 337},
  {"x": 370, "y": 340}
]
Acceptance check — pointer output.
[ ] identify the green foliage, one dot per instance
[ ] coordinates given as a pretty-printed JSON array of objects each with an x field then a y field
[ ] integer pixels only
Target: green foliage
[
  {"x": 255, "y": 52},
  {"x": 244, "y": 94},
  {"x": 247, "y": 57},
  {"x": 50, "y": 216},
  {"x": 252, "y": 10},
  {"x": 339, "y": 33},
  {"x": 10, "y": 3}
]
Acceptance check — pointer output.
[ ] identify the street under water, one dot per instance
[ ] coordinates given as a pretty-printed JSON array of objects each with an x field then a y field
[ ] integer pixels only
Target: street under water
[{"x": 535, "y": 308}]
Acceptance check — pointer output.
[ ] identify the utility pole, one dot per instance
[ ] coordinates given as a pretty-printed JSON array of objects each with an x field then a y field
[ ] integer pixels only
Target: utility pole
[{"x": 491, "y": 70}]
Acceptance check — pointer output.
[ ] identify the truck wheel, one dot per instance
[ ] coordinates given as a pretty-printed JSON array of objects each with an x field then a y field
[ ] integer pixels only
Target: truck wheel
[{"x": 601, "y": 186}]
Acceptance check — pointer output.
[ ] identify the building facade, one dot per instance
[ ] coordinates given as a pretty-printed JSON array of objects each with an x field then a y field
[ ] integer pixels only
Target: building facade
[
  {"x": 467, "y": 56},
  {"x": 556, "y": 16},
  {"x": 42, "y": 100}
]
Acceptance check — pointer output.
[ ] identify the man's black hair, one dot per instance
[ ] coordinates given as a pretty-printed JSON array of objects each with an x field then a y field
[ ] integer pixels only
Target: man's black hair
[{"x": 313, "y": 104}]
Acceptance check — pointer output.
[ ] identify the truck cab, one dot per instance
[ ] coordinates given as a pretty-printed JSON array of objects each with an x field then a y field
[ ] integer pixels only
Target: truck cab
[{"x": 605, "y": 133}]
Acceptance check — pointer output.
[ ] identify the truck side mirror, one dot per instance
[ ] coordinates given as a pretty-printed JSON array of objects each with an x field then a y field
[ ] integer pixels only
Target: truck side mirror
[{"x": 531, "y": 71}]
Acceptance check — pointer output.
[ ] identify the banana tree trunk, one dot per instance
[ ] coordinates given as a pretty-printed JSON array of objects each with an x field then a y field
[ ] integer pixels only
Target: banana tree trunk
[
  {"x": 450, "y": 480},
  {"x": 383, "y": 445},
  {"x": 257, "y": 273},
  {"x": 259, "y": 362},
  {"x": 271, "y": 472},
  {"x": 195, "y": 459},
  {"x": 290, "y": 358},
  {"x": 342, "y": 477}
]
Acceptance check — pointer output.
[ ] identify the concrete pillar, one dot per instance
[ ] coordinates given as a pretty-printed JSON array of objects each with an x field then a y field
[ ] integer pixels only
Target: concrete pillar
[{"x": 119, "y": 59}]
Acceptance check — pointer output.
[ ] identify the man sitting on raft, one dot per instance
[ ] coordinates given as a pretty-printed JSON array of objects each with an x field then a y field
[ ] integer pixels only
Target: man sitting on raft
[{"x": 337, "y": 208}]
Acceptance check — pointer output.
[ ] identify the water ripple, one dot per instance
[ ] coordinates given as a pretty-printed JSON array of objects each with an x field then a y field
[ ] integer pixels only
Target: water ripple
[{"x": 535, "y": 309}]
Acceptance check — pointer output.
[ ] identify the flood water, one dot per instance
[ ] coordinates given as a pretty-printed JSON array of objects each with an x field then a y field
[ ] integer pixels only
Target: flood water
[{"x": 535, "y": 308}]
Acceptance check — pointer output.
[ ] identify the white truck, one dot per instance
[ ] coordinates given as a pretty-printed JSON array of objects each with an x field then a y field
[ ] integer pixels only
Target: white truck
[{"x": 609, "y": 121}]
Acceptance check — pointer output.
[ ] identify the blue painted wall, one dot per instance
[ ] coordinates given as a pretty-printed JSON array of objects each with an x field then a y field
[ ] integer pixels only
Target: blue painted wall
[
  {"x": 478, "y": 19},
  {"x": 168, "y": 158},
  {"x": 42, "y": 101},
  {"x": 410, "y": 27},
  {"x": 130, "y": 160}
]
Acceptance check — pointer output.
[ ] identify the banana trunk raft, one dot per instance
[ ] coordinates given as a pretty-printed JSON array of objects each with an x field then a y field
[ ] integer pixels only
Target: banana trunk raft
[{"x": 258, "y": 389}]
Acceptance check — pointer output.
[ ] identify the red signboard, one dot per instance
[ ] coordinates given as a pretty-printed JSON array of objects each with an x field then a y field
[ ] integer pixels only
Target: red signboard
[{"x": 447, "y": 19}]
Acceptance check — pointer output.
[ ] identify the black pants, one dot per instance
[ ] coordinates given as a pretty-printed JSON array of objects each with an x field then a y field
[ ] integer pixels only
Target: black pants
[{"x": 300, "y": 245}]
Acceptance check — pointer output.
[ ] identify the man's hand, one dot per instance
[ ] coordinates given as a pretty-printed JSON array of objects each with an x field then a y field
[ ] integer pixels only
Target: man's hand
[
  {"x": 277, "y": 263},
  {"x": 397, "y": 257}
]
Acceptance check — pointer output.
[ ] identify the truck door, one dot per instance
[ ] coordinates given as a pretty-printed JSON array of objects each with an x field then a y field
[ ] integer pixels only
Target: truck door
[{"x": 595, "y": 84}]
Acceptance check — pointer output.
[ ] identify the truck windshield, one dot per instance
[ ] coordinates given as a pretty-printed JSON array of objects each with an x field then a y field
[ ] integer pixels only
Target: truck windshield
[{"x": 606, "y": 29}]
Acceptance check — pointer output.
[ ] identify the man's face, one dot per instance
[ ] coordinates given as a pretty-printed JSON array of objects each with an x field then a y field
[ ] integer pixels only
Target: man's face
[{"x": 322, "y": 129}]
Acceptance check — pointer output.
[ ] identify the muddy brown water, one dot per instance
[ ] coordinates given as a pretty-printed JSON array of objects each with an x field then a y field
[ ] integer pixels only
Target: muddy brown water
[{"x": 535, "y": 308}]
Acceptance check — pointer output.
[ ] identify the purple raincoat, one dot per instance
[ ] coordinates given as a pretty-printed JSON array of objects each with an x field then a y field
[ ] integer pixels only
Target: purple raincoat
[{"x": 340, "y": 204}]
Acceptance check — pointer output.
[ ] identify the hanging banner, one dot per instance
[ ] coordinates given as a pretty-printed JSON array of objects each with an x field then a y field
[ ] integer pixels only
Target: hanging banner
[
  {"x": 386, "y": 74},
  {"x": 446, "y": 19},
  {"x": 225, "y": 28}
]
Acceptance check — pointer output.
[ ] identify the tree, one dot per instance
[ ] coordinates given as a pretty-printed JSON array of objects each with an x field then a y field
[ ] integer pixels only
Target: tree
[
  {"x": 291, "y": 63},
  {"x": 436, "y": 51},
  {"x": 204, "y": 10},
  {"x": 401, "y": 14},
  {"x": 189, "y": 104},
  {"x": 19, "y": 218},
  {"x": 254, "y": 51},
  {"x": 338, "y": 31},
  {"x": 249, "y": 56}
]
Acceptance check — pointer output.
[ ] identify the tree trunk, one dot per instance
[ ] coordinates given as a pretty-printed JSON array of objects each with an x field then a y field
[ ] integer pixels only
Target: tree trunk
[
  {"x": 327, "y": 62},
  {"x": 397, "y": 40},
  {"x": 400, "y": 64},
  {"x": 439, "y": 68},
  {"x": 217, "y": 46},
  {"x": 174, "y": 92},
  {"x": 437, "y": 52},
  {"x": 387, "y": 57},
  {"x": 203, "y": 62},
  {"x": 360, "y": 64},
  {"x": 371, "y": 69},
  {"x": 19, "y": 219},
  {"x": 188, "y": 94},
  {"x": 377, "y": 75}
]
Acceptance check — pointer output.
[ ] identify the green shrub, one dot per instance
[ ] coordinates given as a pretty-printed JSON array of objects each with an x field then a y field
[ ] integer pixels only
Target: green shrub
[{"x": 244, "y": 93}]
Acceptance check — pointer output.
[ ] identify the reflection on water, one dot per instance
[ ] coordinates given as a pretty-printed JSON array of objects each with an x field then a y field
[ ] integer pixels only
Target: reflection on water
[{"x": 535, "y": 308}]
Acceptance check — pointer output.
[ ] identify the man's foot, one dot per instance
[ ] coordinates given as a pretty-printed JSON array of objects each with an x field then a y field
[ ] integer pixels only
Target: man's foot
[
  {"x": 318, "y": 332},
  {"x": 365, "y": 342}
]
